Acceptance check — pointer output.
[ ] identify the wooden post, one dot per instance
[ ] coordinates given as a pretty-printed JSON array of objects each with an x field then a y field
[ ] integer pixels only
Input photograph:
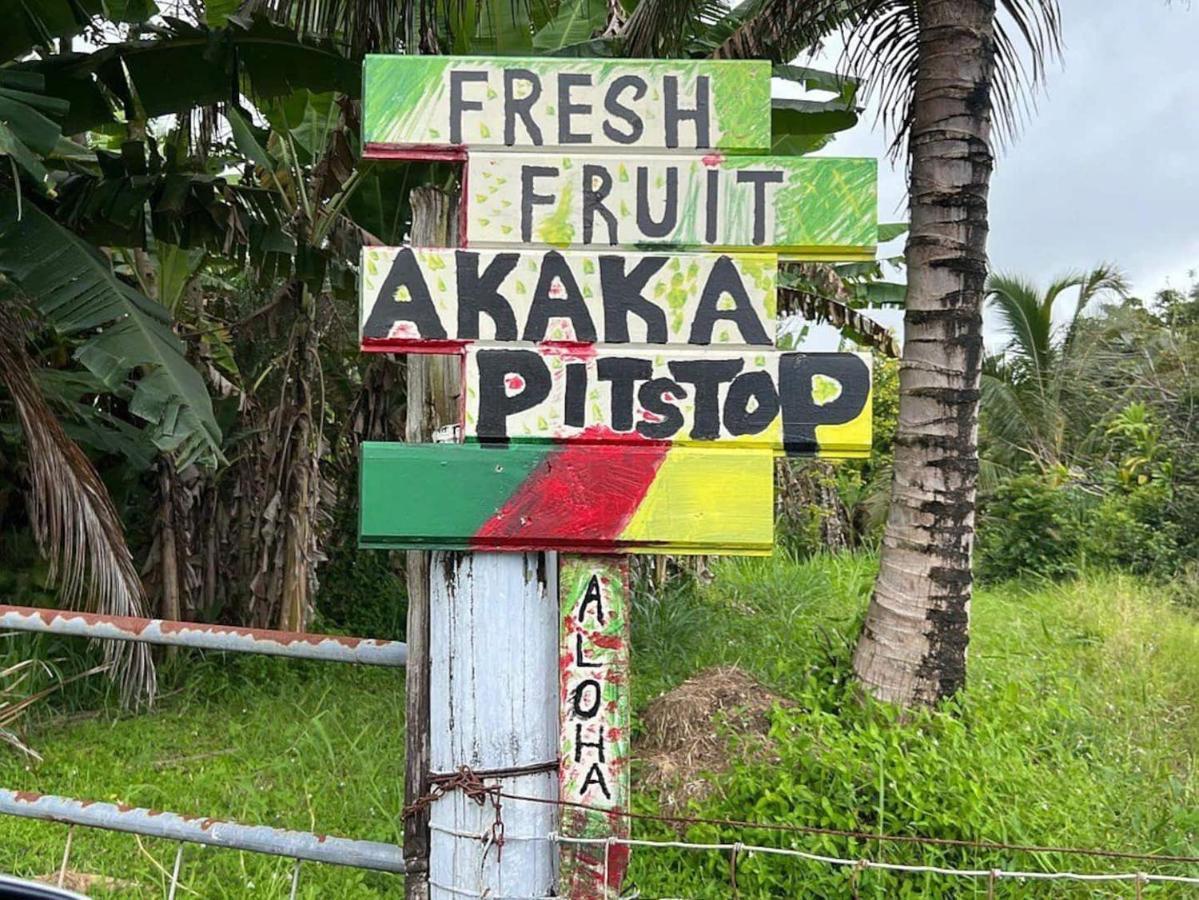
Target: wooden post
[
  {"x": 494, "y": 627},
  {"x": 594, "y": 699},
  {"x": 432, "y": 390},
  {"x": 482, "y": 643}
]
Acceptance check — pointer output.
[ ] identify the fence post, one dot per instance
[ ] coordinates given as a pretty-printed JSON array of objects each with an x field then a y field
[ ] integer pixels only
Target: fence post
[
  {"x": 493, "y": 691},
  {"x": 432, "y": 398}
]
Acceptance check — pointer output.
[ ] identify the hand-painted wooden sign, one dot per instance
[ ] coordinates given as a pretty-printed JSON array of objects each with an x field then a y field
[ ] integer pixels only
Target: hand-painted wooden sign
[
  {"x": 797, "y": 403},
  {"x": 437, "y": 301},
  {"x": 439, "y": 101},
  {"x": 576, "y": 497},
  {"x": 595, "y": 720},
  {"x": 801, "y": 207}
]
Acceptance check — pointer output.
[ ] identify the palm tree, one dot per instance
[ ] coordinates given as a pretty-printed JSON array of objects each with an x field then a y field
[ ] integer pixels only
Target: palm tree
[
  {"x": 952, "y": 69},
  {"x": 947, "y": 71},
  {"x": 1028, "y": 389}
]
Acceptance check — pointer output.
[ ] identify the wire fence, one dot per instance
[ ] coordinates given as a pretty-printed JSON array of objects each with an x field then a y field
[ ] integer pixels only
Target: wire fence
[
  {"x": 734, "y": 852},
  {"x": 738, "y": 850}
]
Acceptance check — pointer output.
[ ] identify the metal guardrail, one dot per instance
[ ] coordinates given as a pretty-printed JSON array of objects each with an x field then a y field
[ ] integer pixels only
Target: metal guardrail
[
  {"x": 197, "y": 830},
  {"x": 299, "y": 645},
  {"x": 297, "y": 845}
]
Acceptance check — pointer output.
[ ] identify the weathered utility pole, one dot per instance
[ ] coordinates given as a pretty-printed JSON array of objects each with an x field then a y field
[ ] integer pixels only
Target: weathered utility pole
[
  {"x": 493, "y": 696},
  {"x": 479, "y": 698}
]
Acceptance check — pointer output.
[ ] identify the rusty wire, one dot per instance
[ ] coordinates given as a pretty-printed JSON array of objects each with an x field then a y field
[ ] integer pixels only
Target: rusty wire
[{"x": 859, "y": 835}]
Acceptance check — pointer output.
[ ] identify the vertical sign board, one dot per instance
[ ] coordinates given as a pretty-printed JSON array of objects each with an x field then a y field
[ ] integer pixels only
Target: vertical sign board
[
  {"x": 614, "y": 309},
  {"x": 595, "y": 720}
]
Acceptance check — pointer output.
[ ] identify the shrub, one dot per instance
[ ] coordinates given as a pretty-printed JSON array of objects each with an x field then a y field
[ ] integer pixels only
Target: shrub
[
  {"x": 1131, "y": 531},
  {"x": 1031, "y": 526}
]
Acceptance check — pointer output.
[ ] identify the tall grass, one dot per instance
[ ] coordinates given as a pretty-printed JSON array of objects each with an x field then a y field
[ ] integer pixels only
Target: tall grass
[{"x": 1078, "y": 728}]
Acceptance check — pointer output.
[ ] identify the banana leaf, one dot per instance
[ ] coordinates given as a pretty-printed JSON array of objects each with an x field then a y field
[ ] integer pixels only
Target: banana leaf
[{"x": 127, "y": 341}]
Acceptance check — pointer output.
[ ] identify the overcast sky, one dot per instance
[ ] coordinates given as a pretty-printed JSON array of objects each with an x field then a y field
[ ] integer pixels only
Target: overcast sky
[{"x": 1107, "y": 167}]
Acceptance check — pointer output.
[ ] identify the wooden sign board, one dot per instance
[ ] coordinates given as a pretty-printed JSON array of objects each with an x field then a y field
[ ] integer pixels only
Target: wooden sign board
[
  {"x": 650, "y": 497},
  {"x": 415, "y": 102},
  {"x": 595, "y": 722},
  {"x": 816, "y": 208},
  {"x": 795, "y": 403},
  {"x": 416, "y": 300}
]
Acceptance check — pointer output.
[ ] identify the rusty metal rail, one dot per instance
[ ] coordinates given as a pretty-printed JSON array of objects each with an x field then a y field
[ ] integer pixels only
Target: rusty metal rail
[
  {"x": 197, "y": 830},
  {"x": 329, "y": 647}
]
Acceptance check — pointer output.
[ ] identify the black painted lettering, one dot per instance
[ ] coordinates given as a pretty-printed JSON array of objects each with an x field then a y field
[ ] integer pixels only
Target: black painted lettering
[
  {"x": 590, "y": 711},
  {"x": 458, "y": 103},
  {"x": 580, "y": 660},
  {"x": 707, "y": 375},
  {"x": 418, "y": 309},
  {"x": 615, "y": 108},
  {"x": 670, "y": 211},
  {"x": 593, "y": 201},
  {"x": 700, "y": 114},
  {"x": 752, "y": 403},
  {"x": 521, "y": 106},
  {"x": 623, "y": 372},
  {"x": 524, "y": 372},
  {"x": 580, "y": 743},
  {"x": 725, "y": 281},
  {"x": 759, "y": 178},
  {"x": 593, "y": 594},
  {"x": 595, "y": 775},
  {"x": 712, "y": 206},
  {"x": 800, "y": 387},
  {"x": 623, "y": 295},
  {"x": 575, "y": 412},
  {"x": 530, "y": 198},
  {"x": 557, "y": 295},
  {"x": 480, "y": 293},
  {"x": 568, "y": 108},
  {"x": 656, "y": 397}
]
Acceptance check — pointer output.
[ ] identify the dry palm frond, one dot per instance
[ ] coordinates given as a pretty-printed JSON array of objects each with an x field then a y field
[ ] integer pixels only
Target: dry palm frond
[
  {"x": 823, "y": 297},
  {"x": 74, "y": 521}
]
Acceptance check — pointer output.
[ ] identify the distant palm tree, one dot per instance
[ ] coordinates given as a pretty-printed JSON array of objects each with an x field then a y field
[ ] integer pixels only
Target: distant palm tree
[{"x": 1027, "y": 389}]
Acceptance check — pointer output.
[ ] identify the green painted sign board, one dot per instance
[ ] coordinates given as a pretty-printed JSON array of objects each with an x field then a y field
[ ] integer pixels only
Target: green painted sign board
[
  {"x": 816, "y": 208},
  {"x": 443, "y": 101}
]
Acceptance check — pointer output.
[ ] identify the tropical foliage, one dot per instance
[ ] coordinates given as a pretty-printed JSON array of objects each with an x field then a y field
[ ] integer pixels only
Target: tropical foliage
[{"x": 179, "y": 229}]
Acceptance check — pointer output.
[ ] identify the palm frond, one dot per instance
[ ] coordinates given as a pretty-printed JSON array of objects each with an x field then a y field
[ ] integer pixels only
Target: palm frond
[
  {"x": 666, "y": 27},
  {"x": 359, "y": 26},
  {"x": 779, "y": 30},
  {"x": 1029, "y": 323},
  {"x": 74, "y": 521},
  {"x": 826, "y": 310},
  {"x": 1105, "y": 278},
  {"x": 882, "y": 39}
]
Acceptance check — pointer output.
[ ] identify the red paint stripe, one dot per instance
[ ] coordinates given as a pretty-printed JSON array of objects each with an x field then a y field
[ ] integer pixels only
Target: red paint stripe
[
  {"x": 415, "y": 152},
  {"x": 412, "y": 345},
  {"x": 585, "y": 490}
]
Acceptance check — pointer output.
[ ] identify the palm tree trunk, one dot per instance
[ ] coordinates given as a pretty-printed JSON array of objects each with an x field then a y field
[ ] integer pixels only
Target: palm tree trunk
[{"x": 913, "y": 645}]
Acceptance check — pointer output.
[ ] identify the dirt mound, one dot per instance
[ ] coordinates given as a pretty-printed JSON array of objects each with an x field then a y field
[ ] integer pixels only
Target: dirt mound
[{"x": 689, "y": 733}]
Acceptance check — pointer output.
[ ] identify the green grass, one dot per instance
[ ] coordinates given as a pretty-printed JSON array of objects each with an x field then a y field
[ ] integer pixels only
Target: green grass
[
  {"x": 1079, "y": 727},
  {"x": 261, "y": 741}
]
